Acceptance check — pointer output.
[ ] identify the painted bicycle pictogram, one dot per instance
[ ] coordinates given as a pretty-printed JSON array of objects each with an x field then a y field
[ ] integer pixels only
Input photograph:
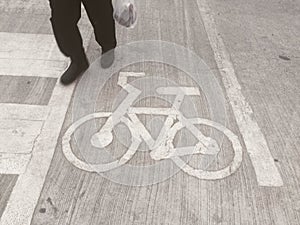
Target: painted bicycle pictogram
[{"x": 161, "y": 148}]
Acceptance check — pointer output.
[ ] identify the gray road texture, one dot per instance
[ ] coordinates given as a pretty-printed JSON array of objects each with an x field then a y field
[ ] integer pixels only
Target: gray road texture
[{"x": 261, "y": 41}]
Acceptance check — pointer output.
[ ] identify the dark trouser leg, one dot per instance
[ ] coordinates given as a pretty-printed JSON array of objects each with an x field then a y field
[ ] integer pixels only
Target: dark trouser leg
[
  {"x": 65, "y": 15},
  {"x": 100, "y": 13}
]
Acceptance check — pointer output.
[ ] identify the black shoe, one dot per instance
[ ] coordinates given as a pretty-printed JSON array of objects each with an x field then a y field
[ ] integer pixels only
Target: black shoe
[
  {"x": 107, "y": 58},
  {"x": 75, "y": 70}
]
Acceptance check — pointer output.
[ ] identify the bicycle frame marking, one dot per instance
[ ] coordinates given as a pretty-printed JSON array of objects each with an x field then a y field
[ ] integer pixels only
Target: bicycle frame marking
[{"x": 158, "y": 152}]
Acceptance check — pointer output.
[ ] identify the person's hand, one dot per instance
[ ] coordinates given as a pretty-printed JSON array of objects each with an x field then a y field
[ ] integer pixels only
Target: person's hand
[{"x": 126, "y": 16}]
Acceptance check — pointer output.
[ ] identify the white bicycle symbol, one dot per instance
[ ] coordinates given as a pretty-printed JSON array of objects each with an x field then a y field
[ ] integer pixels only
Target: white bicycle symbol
[{"x": 162, "y": 147}]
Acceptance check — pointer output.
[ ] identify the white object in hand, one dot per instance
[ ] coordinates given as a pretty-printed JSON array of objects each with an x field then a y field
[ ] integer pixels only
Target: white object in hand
[{"x": 125, "y": 12}]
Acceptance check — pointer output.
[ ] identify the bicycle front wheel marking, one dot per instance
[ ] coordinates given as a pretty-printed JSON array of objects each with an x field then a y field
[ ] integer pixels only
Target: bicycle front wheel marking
[{"x": 217, "y": 174}]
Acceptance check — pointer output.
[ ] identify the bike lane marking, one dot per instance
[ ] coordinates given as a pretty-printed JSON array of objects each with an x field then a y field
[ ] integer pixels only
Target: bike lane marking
[
  {"x": 267, "y": 173},
  {"x": 21, "y": 204},
  {"x": 162, "y": 147}
]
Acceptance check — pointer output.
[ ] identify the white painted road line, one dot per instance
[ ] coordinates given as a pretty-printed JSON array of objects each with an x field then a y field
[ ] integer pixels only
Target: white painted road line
[
  {"x": 23, "y": 199},
  {"x": 13, "y": 163},
  {"x": 266, "y": 171},
  {"x": 20, "y": 125},
  {"x": 23, "y": 112},
  {"x": 30, "y": 55},
  {"x": 18, "y": 136},
  {"x": 29, "y": 46},
  {"x": 32, "y": 67},
  {"x": 25, "y": 195}
]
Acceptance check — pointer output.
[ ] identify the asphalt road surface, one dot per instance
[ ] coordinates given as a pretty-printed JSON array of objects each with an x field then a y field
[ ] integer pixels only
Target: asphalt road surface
[{"x": 197, "y": 122}]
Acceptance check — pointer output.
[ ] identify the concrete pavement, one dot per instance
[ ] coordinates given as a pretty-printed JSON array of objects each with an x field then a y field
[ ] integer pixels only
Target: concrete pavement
[{"x": 251, "y": 50}]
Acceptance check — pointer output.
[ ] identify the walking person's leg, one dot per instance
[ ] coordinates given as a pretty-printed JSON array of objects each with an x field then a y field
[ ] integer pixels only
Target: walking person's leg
[
  {"x": 65, "y": 15},
  {"x": 100, "y": 14}
]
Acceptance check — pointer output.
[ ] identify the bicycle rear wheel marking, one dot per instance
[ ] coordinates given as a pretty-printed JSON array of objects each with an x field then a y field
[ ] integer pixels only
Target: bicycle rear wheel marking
[{"x": 218, "y": 174}]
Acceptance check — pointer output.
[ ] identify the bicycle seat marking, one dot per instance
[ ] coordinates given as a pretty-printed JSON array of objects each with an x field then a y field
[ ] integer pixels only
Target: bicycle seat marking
[{"x": 162, "y": 147}]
